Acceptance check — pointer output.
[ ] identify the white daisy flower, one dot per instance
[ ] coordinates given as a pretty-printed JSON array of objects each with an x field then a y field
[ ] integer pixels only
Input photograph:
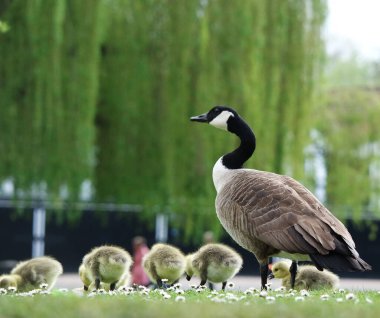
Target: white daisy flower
[
  {"x": 263, "y": 293},
  {"x": 101, "y": 291},
  {"x": 280, "y": 289},
  {"x": 179, "y": 291},
  {"x": 218, "y": 300},
  {"x": 177, "y": 285},
  {"x": 3, "y": 291},
  {"x": 12, "y": 289},
  {"x": 230, "y": 285},
  {"x": 180, "y": 299},
  {"x": 167, "y": 296},
  {"x": 248, "y": 292},
  {"x": 350, "y": 296},
  {"x": 339, "y": 300},
  {"x": 299, "y": 298},
  {"x": 304, "y": 293},
  {"x": 325, "y": 297},
  {"x": 44, "y": 292},
  {"x": 270, "y": 299},
  {"x": 341, "y": 290},
  {"x": 368, "y": 300},
  {"x": 44, "y": 286},
  {"x": 63, "y": 290}
]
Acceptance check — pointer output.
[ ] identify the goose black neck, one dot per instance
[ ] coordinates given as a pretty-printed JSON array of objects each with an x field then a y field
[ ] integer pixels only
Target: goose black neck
[{"x": 236, "y": 158}]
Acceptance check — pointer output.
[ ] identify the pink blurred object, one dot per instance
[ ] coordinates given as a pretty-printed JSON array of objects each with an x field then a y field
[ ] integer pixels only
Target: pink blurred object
[{"x": 139, "y": 250}]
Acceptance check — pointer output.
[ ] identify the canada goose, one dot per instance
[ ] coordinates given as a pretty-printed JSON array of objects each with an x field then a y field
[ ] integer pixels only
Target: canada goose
[
  {"x": 308, "y": 277},
  {"x": 274, "y": 215},
  {"x": 164, "y": 262},
  {"x": 105, "y": 264},
  {"x": 30, "y": 274},
  {"x": 214, "y": 262}
]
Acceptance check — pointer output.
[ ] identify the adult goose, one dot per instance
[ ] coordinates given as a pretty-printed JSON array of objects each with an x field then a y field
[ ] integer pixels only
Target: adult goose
[{"x": 274, "y": 215}]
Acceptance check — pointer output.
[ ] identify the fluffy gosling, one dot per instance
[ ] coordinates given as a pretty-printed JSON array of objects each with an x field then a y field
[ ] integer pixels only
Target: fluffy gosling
[
  {"x": 30, "y": 274},
  {"x": 105, "y": 264},
  {"x": 214, "y": 262},
  {"x": 7, "y": 281},
  {"x": 164, "y": 262},
  {"x": 308, "y": 277}
]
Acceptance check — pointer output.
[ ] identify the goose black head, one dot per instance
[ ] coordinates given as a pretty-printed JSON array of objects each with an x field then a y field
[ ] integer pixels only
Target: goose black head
[{"x": 218, "y": 116}]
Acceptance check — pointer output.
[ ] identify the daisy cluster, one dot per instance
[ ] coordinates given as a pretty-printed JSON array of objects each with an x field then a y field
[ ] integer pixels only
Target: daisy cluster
[{"x": 202, "y": 293}]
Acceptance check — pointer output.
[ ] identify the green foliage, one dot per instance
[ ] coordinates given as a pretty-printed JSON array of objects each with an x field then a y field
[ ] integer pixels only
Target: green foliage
[
  {"x": 204, "y": 304},
  {"x": 103, "y": 91},
  {"x": 349, "y": 124}
]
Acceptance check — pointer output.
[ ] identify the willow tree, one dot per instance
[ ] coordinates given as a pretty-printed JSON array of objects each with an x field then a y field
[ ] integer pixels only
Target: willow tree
[
  {"x": 349, "y": 126},
  {"x": 165, "y": 61},
  {"x": 104, "y": 90},
  {"x": 49, "y": 76}
]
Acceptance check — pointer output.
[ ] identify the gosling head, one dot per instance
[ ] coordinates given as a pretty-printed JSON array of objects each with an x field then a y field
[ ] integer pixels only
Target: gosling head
[
  {"x": 221, "y": 117},
  {"x": 280, "y": 270}
]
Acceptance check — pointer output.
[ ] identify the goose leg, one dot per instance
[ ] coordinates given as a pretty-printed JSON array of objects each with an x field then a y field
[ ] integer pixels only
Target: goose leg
[
  {"x": 293, "y": 272},
  {"x": 264, "y": 275},
  {"x": 224, "y": 285}
]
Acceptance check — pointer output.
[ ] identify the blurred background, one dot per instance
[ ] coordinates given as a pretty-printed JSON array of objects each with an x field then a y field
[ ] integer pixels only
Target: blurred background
[{"x": 96, "y": 145}]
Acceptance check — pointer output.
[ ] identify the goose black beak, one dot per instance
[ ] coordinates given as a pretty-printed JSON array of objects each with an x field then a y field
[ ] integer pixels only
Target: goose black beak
[{"x": 201, "y": 118}]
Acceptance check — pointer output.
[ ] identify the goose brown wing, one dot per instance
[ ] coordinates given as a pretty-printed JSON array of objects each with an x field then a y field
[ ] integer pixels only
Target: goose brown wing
[{"x": 285, "y": 215}]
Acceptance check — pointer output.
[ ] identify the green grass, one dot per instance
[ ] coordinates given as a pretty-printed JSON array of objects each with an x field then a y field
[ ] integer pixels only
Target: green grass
[{"x": 202, "y": 304}]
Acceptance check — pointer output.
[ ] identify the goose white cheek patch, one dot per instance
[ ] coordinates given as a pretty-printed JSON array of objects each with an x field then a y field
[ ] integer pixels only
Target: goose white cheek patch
[{"x": 220, "y": 121}]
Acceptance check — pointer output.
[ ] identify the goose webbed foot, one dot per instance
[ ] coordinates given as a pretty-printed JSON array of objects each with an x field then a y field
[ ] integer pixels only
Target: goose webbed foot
[{"x": 293, "y": 273}]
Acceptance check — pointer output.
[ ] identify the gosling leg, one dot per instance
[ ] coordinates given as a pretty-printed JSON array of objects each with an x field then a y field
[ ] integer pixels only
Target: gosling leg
[
  {"x": 293, "y": 273},
  {"x": 97, "y": 283},
  {"x": 113, "y": 286}
]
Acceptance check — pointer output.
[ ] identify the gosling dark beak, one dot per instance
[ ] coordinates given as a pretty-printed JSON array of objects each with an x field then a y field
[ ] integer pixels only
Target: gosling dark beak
[
  {"x": 188, "y": 277},
  {"x": 270, "y": 276},
  {"x": 201, "y": 118}
]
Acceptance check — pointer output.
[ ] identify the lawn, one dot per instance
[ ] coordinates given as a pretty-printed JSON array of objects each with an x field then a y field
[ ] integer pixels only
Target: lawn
[{"x": 192, "y": 303}]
